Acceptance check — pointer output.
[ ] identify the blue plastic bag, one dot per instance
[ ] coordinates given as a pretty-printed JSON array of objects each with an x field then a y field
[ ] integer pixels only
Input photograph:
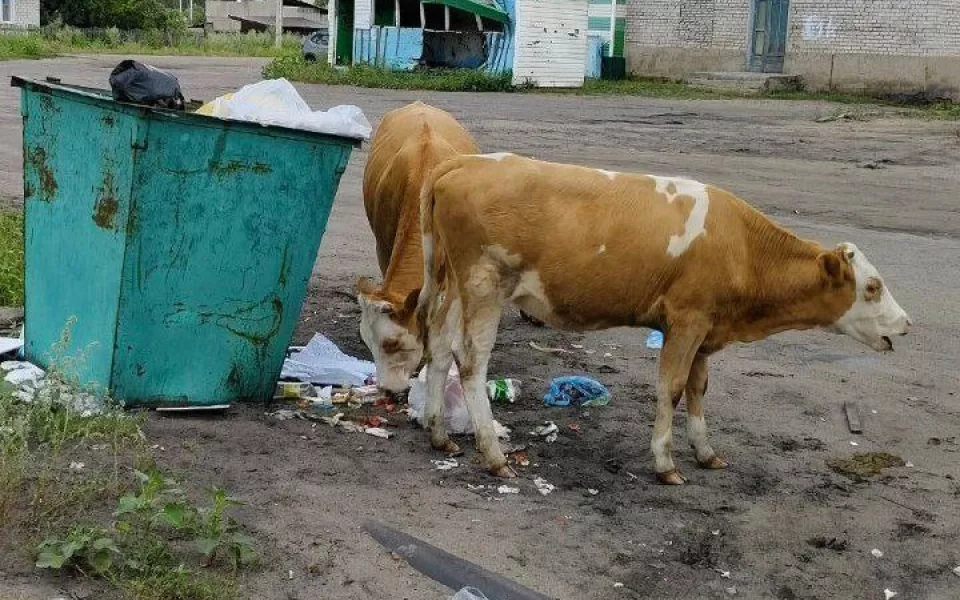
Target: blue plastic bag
[
  {"x": 579, "y": 391},
  {"x": 655, "y": 340}
]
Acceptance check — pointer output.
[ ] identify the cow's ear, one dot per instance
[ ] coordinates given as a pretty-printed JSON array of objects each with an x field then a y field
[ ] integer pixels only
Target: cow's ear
[
  {"x": 409, "y": 304},
  {"x": 832, "y": 266}
]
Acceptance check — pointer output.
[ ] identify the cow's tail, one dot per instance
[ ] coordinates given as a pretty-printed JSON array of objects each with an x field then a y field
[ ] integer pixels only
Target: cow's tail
[{"x": 432, "y": 272}]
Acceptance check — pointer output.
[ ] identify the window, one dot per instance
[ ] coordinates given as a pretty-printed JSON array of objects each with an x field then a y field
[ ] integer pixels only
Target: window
[
  {"x": 384, "y": 13},
  {"x": 6, "y": 11}
]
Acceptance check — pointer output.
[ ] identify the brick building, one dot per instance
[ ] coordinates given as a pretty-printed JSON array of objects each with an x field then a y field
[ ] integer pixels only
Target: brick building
[
  {"x": 19, "y": 13},
  {"x": 884, "y": 46}
]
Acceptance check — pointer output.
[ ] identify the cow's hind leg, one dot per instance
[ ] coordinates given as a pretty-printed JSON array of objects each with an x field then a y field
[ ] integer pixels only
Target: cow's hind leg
[
  {"x": 443, "y": 324},
  {"x": 696, "y": 423},
  {"x": 679, "y": 350}
]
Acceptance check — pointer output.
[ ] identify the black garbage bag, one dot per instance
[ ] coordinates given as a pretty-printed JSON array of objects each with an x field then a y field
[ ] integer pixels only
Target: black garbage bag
[{"x": 135, "y": 82}]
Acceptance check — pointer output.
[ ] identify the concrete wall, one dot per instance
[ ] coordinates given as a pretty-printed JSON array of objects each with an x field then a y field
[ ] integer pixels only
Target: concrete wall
[
  {"x": 218, "y": 13},
  {"x": 26, "y": 13},
  {"x": 877, "y": 46}
]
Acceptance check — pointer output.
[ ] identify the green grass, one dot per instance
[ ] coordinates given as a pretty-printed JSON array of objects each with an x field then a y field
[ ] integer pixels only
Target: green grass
[
  {"x": 82, "y": 495},
  {"x": 68, "y": 40},
  {"x": 441, "y": 80},
  {"x": 11, "y": 258}
]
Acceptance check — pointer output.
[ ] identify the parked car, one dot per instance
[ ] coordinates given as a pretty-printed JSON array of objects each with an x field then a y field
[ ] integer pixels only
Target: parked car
[{"x": 315, "y": 45}]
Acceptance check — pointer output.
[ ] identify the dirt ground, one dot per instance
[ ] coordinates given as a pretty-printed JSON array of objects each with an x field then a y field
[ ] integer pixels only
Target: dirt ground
[{"x": 779, "y": 523}]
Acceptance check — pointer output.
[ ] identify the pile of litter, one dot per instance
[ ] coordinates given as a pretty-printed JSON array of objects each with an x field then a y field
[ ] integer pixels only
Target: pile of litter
[
  {"x": 277, "y": 102},
  {"x": 33, "y": 385}
]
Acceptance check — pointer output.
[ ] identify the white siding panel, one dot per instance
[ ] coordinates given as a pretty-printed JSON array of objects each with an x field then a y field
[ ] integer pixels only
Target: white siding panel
[
  {"x": 551, "y": 42},
  {"x": 363, "y": 14}
]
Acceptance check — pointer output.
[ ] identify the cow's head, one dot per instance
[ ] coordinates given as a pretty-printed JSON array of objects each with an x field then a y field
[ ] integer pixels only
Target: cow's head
[
  {"x": 874, "y": 317},
  {"x": 387, "y": 327}
]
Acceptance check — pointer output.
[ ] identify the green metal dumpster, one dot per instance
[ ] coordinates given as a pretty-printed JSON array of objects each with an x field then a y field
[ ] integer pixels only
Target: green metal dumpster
[{"x": 169, "y": 251}]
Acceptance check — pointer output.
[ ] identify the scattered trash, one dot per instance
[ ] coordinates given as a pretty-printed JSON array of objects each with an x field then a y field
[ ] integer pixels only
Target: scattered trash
[
  {"x": 34, "y": 386},
  {"x": 474, "y": 488},
  {"x": 607, "y": 355},
  {"x": 854, "y": 444},
  {"x": 956, "y": 571},
  {"x": 379, "y": 432},
  {"x": 135, "y": 82},
  {"x": 908, "y": 464},
  {"x": 456, "y": 418},
  {"x": 20, "y": 373},
  {"x": 469, "y": 593},
  {"x": 547, "y": 350},
  {"x": 853, "y": 417},
  {"x": 8, "y": 345},
  {"x": 723, "y": 574},
  {"x": 618, "y": 585},
  {"x": 503, "y": 391},
  {"x": 888, "y": 593},
  {"x": 574, "y": 427},
  {"x": 365, "y": 394},
  {"x": 321, "y": 362},
  {"x": 445, "y": 465},
  {"x": 294, "y": 389},
  {"x": 277, "y": 102},
  {"x": 548, "y": 431},
  {"x": 506, "y": 489},
  {"x": 284, "y": 414},
  {"x": 290, "y": 574},
  {"x": 520, "y": 458},
  {"x": 592, "y": 491},
  {"x": 576, "y": 390},
  {"x": 543, "y": 486},
  {"x": 76, "y": 466},
  {"x": 715, "y": 532},
  {"x": 731, "y": 591},
  {"x": 577, "y": 346},
  {"x": 655, "y": 340},
  {"x": 877, "y": 553},
  {"x": 864, "y": 464}
]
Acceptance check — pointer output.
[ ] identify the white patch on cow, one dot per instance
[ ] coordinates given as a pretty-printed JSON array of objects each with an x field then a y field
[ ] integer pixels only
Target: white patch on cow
[
  {"x": 498, "y": 156},
  {"x": 662, "y": 461},
  {"x": 869, "y": 322},
  {"x": 502, "y": 256},
  {"x": 602, "y": 249},
  {"x": 697, "y": 435},
  {"x": 695, "y": 224},
  {"x": 611, "y": 175},
  {"x": 531, "y": 296},
  {"x": 377, "y": 328}
]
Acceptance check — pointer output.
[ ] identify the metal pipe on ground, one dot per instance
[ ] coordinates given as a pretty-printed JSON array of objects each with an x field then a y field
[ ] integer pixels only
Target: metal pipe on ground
[{"x": 443, "y": 567}]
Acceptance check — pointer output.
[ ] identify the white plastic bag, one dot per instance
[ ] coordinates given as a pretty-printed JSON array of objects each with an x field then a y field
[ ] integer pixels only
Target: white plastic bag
[
  {"x": 469, "y": 593},
  {"x": 277, "y": 102},
  {"x": 456, "y": 418},
  {"x": 320, "y": 362}
]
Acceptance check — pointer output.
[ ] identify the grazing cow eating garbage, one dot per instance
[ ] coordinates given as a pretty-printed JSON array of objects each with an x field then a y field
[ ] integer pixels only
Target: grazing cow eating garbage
[
  {"x": 586, "y": 249},
  {"x": 409, "y": 142}
]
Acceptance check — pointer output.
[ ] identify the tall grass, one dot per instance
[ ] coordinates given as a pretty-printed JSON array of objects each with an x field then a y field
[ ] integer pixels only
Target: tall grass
[
  {"x": 442, "y": 80},
  {"x": 52, "y": 41},
  {"x": 11, "y": 258}
]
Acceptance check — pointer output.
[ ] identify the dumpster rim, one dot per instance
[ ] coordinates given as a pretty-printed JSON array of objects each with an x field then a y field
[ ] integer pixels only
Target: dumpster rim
[{"x": 105, "y": 97}]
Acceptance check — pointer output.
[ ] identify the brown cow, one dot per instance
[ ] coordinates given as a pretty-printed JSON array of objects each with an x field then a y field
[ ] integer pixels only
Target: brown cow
[
  {"x": 409, "y": 142},
  {"x": 585, "y": 249}
]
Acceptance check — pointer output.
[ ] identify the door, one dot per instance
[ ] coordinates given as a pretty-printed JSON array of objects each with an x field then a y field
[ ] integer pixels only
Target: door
[
  {"x": 344, "y": 32},
  {"x": 769, "y": 36}
]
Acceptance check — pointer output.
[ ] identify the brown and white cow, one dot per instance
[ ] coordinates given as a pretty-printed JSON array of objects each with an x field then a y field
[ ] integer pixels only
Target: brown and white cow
[
  {"x": 409, "y": 142},
  {"x": 586, "y": 249}
]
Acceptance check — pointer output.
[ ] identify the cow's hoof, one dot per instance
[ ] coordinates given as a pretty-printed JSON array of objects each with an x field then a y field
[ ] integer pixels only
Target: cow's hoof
[
  {"x": 714, "y": 462},
  {"x": 503, "y": 472},
  {"x": 671, "y": 478},
  {"x": 448, "y": 446}
]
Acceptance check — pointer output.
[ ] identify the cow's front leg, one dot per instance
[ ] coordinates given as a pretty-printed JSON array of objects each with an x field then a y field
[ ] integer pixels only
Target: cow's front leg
[
  {"x": 696, "y": 422},
  {"x": 479, "y": 335},
  {"x": 681, "y": 342}
]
